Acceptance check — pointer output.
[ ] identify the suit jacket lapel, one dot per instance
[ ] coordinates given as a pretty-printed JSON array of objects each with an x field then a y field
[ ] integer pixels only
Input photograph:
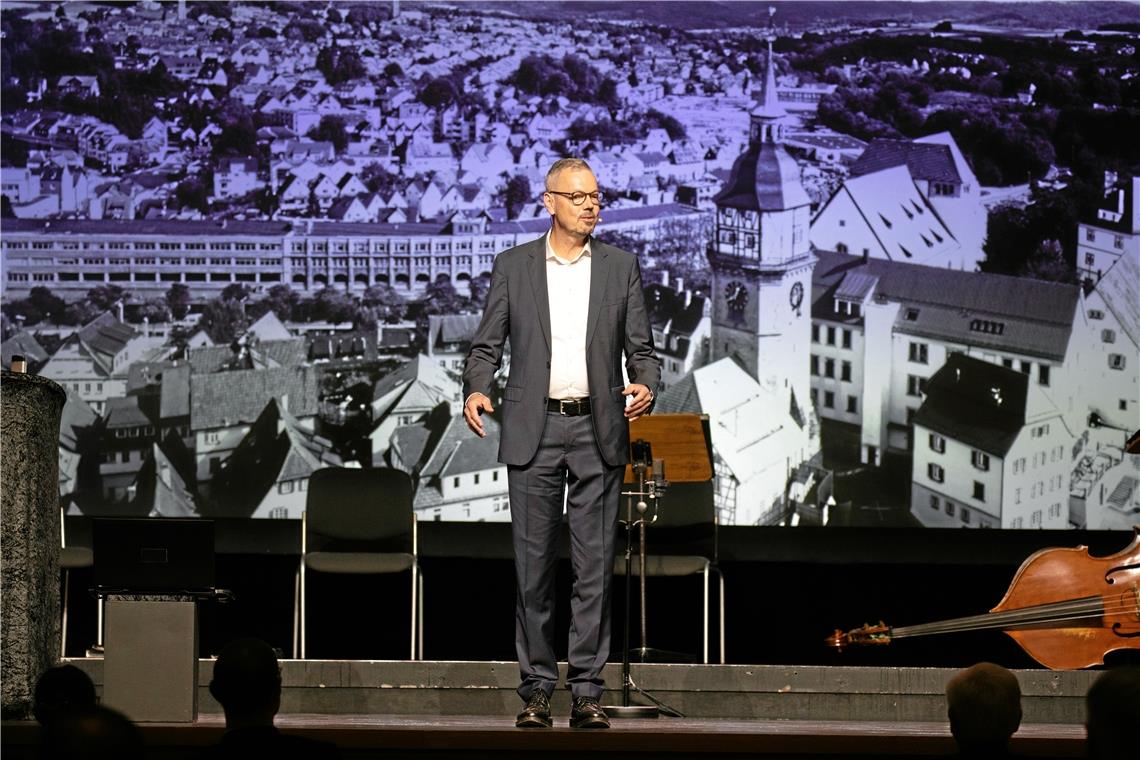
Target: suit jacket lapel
[
  {"x": 599, "y": 272},
  {"x": 538, "y": 282}
]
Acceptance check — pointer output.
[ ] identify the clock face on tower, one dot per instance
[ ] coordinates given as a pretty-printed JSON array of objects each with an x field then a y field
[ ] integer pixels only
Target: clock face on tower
[
  {"x": 796, "y": 296},
  {"x": 736, "y": 296}
]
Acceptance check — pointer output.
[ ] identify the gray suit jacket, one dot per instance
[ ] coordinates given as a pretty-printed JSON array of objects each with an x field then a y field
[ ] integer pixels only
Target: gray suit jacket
[{"x": 518, "y": 306}]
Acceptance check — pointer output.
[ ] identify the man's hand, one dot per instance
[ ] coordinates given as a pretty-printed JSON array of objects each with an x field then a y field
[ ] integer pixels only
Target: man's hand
[
  {"x": 475, "y": 406},
  {"x": 639, "y": 405}
]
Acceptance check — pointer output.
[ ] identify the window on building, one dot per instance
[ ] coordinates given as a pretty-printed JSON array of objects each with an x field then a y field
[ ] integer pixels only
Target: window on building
[
  {"x": 1090, "y": 259},
  {"x": 830, "y": 335},
  {"x": 1043, "y": 374},
  {"x": 937, "y": 443},
  {"x": 918, "y": 353},
  {"x": 1108, "y": 336},
  {"x": 815, "y": 333},
  {"x": 1090, "y": 235},
  {"x": 911, "y": 315},
  {"x": 829, "y": 399},
  {"x": 846, "y": 338},
  {"x": 950, "y": 508},
  {"x": 495, "y": 476},
  {"x": 915, "y": 385},
  {"x": 979, "y": 491},
  {"x": 1117, "y": 241},
  {"x": 814, "y": 364},
  {"x": 965, "y": 515},
  {"x": 1123, "y": 404},
  {"x": 935, "y": 502},
  {"x": 1017, "y": 496},
  {"x": 980, "y": 460},
  {"x": 1035, "y": 519},
  {"x": 285, "y": 487},
  {"x": 852, "y": 405},
  {"x": 935, "y": 472},
  {"x": 814, "y": 397},
  {"x": 455, "y": 482},
  {"x": 829, "y": 368},
  {"x": 1116, "y": 361},
  {"x": 476, "y": 478},
  {"x": 1096, "y": 314},
  {"x": 845, "y": 372},
  {"x": 1026, "y": 367}
]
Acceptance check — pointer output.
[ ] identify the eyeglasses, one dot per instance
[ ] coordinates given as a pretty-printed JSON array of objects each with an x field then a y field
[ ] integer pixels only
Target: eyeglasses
[{"x": 578, "y": 197}]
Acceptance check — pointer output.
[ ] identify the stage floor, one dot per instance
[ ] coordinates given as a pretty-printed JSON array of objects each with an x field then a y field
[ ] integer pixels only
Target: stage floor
[
  {"x": 496, "y": 736},
  {"x": 441, "y": 709}
]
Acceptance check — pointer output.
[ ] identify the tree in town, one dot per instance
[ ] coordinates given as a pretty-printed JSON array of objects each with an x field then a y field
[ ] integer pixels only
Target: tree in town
[
  {"x": 223, "y": 320},
  {"x": 106, "y": 297},
  {"x": 334, "y": 305},
  {"x": 152, "y": 311},
  {"x": 517, "y": 194},
  {"x": 340, "y": 64},
  {"x": 439, "y": 93},
  {"x": 331, "y": 129},
  {"x": 387, "y": 304},
  {"x": 281, "y": 299},
  {"x": 235, "y": 291},
  {"x": 178, "y": 300}
]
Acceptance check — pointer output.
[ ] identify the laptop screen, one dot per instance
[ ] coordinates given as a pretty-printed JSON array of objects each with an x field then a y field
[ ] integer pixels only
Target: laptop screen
[{"x": 153, "y": 554}]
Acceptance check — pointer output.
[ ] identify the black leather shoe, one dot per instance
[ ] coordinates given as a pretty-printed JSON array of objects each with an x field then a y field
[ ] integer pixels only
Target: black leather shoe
[
  {"x": 587, "y": 713},
  {"x": 536, "y": 714}
]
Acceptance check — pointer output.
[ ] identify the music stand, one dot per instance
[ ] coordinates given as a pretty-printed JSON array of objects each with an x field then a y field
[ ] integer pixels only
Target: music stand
[{"x": 682, "y": 441}]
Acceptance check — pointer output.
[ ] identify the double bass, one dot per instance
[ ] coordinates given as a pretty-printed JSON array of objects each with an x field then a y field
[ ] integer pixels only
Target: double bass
[{"x": 1065, "y": 608}]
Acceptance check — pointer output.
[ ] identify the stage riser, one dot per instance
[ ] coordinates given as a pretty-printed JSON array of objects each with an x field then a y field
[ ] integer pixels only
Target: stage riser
[{"x": 698, "y": 691}]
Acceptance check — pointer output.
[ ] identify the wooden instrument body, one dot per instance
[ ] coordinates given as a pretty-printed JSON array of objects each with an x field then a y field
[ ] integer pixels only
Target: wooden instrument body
[{"x": 1062, "y": 575}]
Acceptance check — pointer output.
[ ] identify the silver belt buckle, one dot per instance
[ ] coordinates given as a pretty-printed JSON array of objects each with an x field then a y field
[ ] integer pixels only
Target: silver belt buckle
[{"x": 562, "y": 405}]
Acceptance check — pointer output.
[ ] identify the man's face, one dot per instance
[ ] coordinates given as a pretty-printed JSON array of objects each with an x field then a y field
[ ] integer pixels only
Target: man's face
[{"x": 576, "y": 220}]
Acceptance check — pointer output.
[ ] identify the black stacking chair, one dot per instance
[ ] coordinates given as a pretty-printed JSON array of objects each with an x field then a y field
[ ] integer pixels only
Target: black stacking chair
[
  {"x": 359, "y": 522},
  {"x": 683, "y": 542},
  {"x": 74, "y": 558}
]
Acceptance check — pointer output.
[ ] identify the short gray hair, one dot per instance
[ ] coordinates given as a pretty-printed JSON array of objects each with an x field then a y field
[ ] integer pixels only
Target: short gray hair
[{"x": 563, "y": 164}]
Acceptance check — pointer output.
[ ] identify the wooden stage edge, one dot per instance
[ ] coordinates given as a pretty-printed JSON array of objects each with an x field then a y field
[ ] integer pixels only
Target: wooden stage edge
[
  {"x": 435, "y": 709},
  {"x": 495, "y": 735}
]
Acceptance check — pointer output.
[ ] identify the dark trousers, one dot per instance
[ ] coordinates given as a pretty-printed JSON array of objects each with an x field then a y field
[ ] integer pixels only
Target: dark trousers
[{"x": 567, "y": 461}]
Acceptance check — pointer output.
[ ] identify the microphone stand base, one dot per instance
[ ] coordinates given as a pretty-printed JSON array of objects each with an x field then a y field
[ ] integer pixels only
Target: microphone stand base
[{"x": 632, "y": 711}]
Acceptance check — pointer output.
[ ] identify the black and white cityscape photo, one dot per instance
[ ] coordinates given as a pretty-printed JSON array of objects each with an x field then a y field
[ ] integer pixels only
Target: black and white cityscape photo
[{"x": 890, "y": 249}]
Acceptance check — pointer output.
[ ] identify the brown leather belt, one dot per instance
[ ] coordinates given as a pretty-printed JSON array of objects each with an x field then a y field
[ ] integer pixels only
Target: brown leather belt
[{"x": 569, "y": 407}]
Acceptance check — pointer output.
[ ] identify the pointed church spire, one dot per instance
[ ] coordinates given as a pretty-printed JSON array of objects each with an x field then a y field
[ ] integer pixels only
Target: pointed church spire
[
  {"x": 770, "y": 109},
  {"x": 767, "y": 118}
]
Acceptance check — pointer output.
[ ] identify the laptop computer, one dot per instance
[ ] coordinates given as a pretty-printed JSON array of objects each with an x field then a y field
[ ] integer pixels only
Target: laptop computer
[{"x": 153, "y": 555}]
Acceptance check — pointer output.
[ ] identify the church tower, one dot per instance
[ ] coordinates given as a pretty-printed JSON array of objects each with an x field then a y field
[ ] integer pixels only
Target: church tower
[{"x": 762, "y": 262}]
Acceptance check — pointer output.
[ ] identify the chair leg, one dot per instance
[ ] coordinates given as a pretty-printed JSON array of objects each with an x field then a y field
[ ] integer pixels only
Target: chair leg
[
  {"x": 705, "y": 615},
  {"x": 420, "y": 613},
  {"x": 99, "y": 623},
  {"x": 296, "y": 613},
  {"x": 63, "y": 620},
  {"x": 301, "y": 570},
  {"x": 415, "y": 604},
  {"x": 720, "y": 575}
]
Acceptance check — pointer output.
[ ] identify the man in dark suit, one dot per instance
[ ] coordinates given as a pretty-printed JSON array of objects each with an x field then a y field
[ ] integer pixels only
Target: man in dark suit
[{"x": 571, "y": 306}]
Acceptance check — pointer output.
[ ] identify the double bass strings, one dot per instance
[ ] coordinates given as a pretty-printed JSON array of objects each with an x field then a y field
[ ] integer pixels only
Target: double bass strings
[{"x": 1057, "y": 612}]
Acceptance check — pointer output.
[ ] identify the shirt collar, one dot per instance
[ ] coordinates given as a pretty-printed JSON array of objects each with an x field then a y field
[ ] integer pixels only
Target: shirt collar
[{"x": 551, "y": 255}]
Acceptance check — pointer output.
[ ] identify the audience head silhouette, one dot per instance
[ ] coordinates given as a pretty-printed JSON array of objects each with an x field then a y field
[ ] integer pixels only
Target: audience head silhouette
[
  {"x": 61, "y": 688},
  {"x": 247, "y": 682},
  {"x": 1113, "y": 705},
  {"x": 91, "y": 732},
  {"x": 984, "y": 706}
]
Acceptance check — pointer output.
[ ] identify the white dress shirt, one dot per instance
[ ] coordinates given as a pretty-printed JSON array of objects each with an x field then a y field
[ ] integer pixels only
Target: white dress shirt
[{"x": 568, "y": 289}]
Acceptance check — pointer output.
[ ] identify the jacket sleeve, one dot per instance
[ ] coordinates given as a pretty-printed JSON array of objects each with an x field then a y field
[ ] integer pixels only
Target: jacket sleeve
[
  {"x": 486, "y": 353},
  {"x": 641, "y": 360}
]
